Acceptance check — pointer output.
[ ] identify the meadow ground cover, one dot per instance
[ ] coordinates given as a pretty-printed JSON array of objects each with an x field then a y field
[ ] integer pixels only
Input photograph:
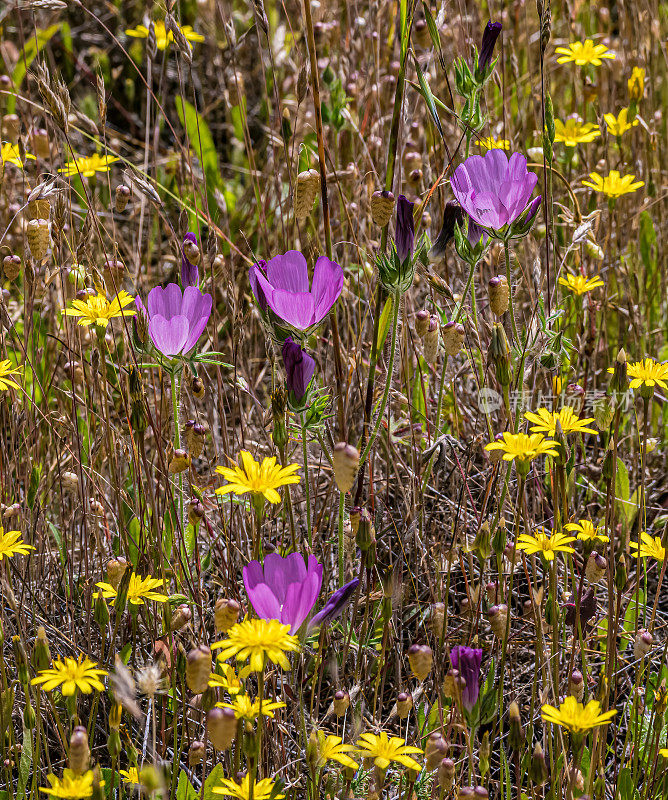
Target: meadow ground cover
[{"x": 333, "y": 376}]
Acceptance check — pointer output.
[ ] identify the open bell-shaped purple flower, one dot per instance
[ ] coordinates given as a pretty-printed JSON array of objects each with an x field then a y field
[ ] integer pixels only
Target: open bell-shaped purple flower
[
  {"x": 494, "y": 190},
  {"x": 282, "y": 284},
  {"x": 468, "y": 661},
  {"x": 175, "y": 319},
  {"x": 283, "y": 588}
]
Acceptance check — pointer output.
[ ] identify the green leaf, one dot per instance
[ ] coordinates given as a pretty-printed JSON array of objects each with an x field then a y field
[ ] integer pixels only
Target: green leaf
[
  {"x": 625, "y": 505},
  {"x": 24, "y": 764},
  {"x": 419, "y": 391},
  {"x": 384, "y": 323},
  {"x": 428, "y": 97},
  {"x": 34, "y": 44},
  {"x": 214, "y": 779},
  {"x": 184, "y": 789},
  {"x": 33, "y": 486}
]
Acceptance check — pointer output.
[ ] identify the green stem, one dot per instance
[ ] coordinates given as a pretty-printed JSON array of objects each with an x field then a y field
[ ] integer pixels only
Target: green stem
[
  {"x": 342, "y": 506},
  {"x": 306, "y": 482},
  {"x": 506, "y": 250}
]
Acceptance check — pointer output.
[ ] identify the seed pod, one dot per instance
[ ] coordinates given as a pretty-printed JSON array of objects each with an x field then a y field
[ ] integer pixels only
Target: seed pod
[
  {"x": 576, "y": 685},
  {"x": 79, "y": 754},
  {"x": 192, "y": 252},
  {"x": 435, "y": 750},
  {"x": 41, "y": 655},
  {"x": 596, "y": 566},
  {"x": 197, "y": 386},
  {"x": 465, "y": 793},
  {"x": 181, "y": 617},
  {"x": 308, "y": 184},
  {"x": 437, "y": 619},
  {"x": 404, "y": 704},
  {"x": 39, "y": 209},
  {"x": 122, "y": 197},
  {"x": 113, "y": 273},
  {"x": 11, "y": 127},
  {"x": 12, "y": 267},
  {"x": 412, "y": 160},
  {"x": 422, "y": 320},
  {"x": 538, "y": 768},
  {"x": 195, "y": 435},
  {"x": 115, "y": 571},
  {"x": 179, "y": 462},
  {"x": 446, "y": 774},
  {"x": 420, "y": 659},
  {"x": 11, "y": 512},
  {"x": 453, "y": 684},
  {"x": 70, "y": 481},
  {"x": 226, "y": 614},
  {"x": 341, "y": 702},
  {"x": 643, "y": 644},
  {"x": 499, "y": 295},
  {"x": 195, "y": 512},
  {"x": 37, "y": 234},
  {"x": 198, "y": 669},
  {"x": 516, "y": 737},
  {"x": 430, "y": 341},
  {"x": 196, "y": 753},
  {"x": 453, "y": 338},
  {"x": 39, "y": 140},
  {"x": 480, "y": 793},
  {"x": 382, "y": 206},
  {"x": 421, "y": 34},
  {"x": 221, "y": 727},
  {"x": 346, "y": 460},
  {"x": 498, "y": 620}
]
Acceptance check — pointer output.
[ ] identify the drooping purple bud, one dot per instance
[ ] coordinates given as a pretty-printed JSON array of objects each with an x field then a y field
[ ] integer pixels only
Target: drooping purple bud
[
  {"x": 453, "y": 214},
  {"x": 405, "y": 232},
  {"x": 489, "y": 37},
  {"x": 299, "y": 368},
  {"x": 258, "y": 291},
  {"x": 335, "y": 605},
  {"x": 475, "y": 232},
  {"x": 189, "y": 271},
  {"x": 468, "y": 660}
]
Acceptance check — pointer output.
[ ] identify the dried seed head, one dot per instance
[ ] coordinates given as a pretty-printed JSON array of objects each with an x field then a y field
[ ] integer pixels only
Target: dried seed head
[
  {"x": 465, "y": 793},
  {"x": 179, "y": 462},
  {"x": 341, "y": 702},
  {"x": 221, "y": 727},
  {"x": 596, "y": 567},
  {"x": 195, "y": 435},
  {"x": 197, "y": 386},
  {"x": 226, "y": 613},
  {"x": 435, "y": 750},
  {"x": 181, "y": 617},
  {"x": 431, "y": 340},
  {"x": 437, "y": 619},
  {"x": 643, "y": 644},
  {"x": 195, "y": 512},
  {"x": 576, "y": 685},
  {"x": 11, "y": 128},
  {"x": 498, "y": 620},
  {"x": 192, "y": 252},
  {"x": 79, "y": 753},
  {"x": 70, "y": 481},
  {"x": 122, "y": 196},
  {"x": 446, "y": 774},
  {"x": 150, "y": 680},
  {"x": 420, "y": 659},
  {"x": 198, "y": 669},
  {"x": 306, "y": 191},
  {"x": 453, "y": 337},
  {"x": 422, "y": 320},
  {"x": 382, "y": 206},
  {"x": 115, "y": 571},
  {"x": 11, "y": 266},
  {"x": 39, "y": 208},
  {"x": 404, "y": 704},
  {"x": 346, "y": 459},
  {"x": 499, "y": 295},
  {"x": 37, "y": 234},
  {"x": 453, "y": 684},
  {"x": 196, "y": 753}
]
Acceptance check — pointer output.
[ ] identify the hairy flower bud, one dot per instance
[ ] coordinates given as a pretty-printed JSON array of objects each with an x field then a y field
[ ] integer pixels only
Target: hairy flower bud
[
  {"x": 453, "y": 337},
  {"x": 435, "y": 750},
  {"x": 576, "y": 685},
  {"x": 420, "y": 659},
  {"x": 221, "y": 727},
  {"x": 498, "y": 620},
  {"x": 431, "y": 340},
  {"x": 79, "y": 753},
  {"x": 404, "y": 704},
  {"x": 446, "y": 774},
  {"x": 198, "y": 669},
  {"x": 308, "y": 184},
  {"x": 226, "y": 614},
  {"x": 196, "y": 753},
  {"x": 382, "y": 206},
  {"x": 346, "y": 460},
  {"x": 499, "y": 295},
  {"x": 422, "y": 319},
  {"x": 596, "y": 567}
]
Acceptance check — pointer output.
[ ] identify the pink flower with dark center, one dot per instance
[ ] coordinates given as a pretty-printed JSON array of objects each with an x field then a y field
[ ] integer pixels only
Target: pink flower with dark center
[
  {"x": 494, "y": 190},
  {"x": 175, "y": 319},
  {"x": 283, "y": 284}
]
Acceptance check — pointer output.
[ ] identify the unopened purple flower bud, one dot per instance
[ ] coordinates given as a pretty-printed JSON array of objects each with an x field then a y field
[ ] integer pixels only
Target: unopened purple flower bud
[
  {"x": 489, "y": 37},
  {"x": 453, "y": 214},
  {"x": 405, "y": 232},
  {"x": 335, "y": 605},
  {"x": 299, "y": 368}
]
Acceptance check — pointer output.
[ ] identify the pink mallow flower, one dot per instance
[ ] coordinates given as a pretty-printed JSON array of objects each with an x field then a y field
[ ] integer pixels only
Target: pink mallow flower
[{"x": 175, "y": 319}]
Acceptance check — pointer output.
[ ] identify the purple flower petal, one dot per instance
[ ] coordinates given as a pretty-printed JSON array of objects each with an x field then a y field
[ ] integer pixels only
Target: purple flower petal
[
  {"x": 276, "y": 575},
  {"x": 335, "y": 605},
  {"x": 468, "y": 660},
  {"x": 168, "y": 335},
  {"x": 265, "y": 602},
  {"x": 288, "y": 271},
  {"x": 295, "y": 309},
  {"x": 258, "y": 293},
  {"x": 327, "y": 286}
]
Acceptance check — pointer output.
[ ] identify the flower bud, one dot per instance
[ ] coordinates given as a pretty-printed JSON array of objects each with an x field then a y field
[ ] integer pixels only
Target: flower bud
[
  {"x": 195, "y": 512},
  {"x": 643, "y": 644},
  {"x": 596, "y": 567},
  {"x": 420, "y": 659},
  {"x": 619, "y": 381},
  {"x": 29, "y": 716},
  {"x": 620, "y": 573},
  {"x": 453, "y": 338},
  {"x": 70, "y": 481},
  {"x": 79, "y": 753},
  {"x": 446, "y": 774},
  {"x": 115, "y": 714},
  {"x": 115, "y": 571},
  {"x": 341, "y": 702},
  {"x": 226, "y": 614},
  {"x": 422, "y": 319},
  {"x": 382, "y": 206},
  {"x": 195, "y": 435},
  {"x": 196, "y": 753},
  {"x": 12, "y": 267},
  {"x": 454, "y": 684},
  {"x": 430, "y": 340},
  {"x": 179, "y": 462},
  {"x": 37, "y": 233},
  {"x": 498, "y": 620},
  {"x": 516, "y": 737},
  {"x": 122, "y": 198},
  {"x": 21, "y": 660},
  {"x": 41, "y": 655},
  {"x": 198, "y": 669},
  {"x": 346, "y": 460},
  {"x": 437, "y": 619},
  {"x": 603, "y": 411},
  {"x": 576, "y": 685},
  {"x": 39, "y": 140},
  {"x": 181, "y": 617},
  {"x": 366, "y": 534},
  {"x": 499, "y": 295},
  {"x": 538, "y": 768},
  {"x": 114, "y": 744},
  {"x": 197, "y": 386},
  {"x": 435, "y": 750},
  {"x": 308, "y": 184},
  {"x": 404, "y": 704},
  {"x": 499, "y": 354},
  {"x": 221, "y": 727},
  {"x": 466, "y": 793}
]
